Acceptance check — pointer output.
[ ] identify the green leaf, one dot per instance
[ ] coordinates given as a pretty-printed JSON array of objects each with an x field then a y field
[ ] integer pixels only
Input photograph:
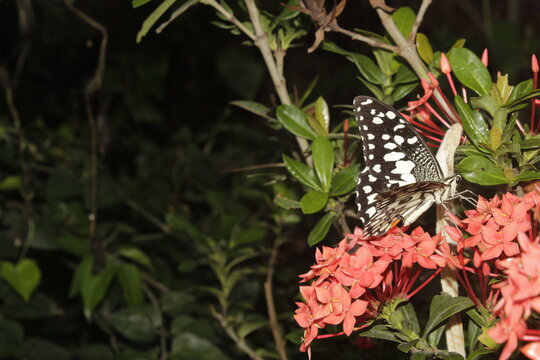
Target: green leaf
[
  {"x": 286, "y": 203},
  {"x": 174, "y": 303},
  {"x": 318, "y": 233},
  {"x": 473, "y": 332},
  {"x": 473, "y": 123},
  {"x": 424, "y": 48},
  {"x": 94, "y": 287},
  {"x": 527, "y": 176},
  {"x": 10, "y": 183},
  {"x": 459, "y": 43},
  {"x": 138, "y": 324},
  {"x": 322, "y": 114},
  {"x": 137, "y": 255},
  {"x": 131, "y": 282},
  {"x": 385, "y": 62},
  {"x": 323, "y": 159},
  {"x": 434, "y": 337},
  {"x": 302, "y": 173},
  {"x": 373, "y": 88},
  {"x": 41, "y": 349},
  {"x": 313, "y": 201},
  {"x": 406, "y": 347},
  {"x": 477, "y": 317},
  {"x": 380, "y": 332},
  {"x": 294, "y": 120},
  {"x": 23, "y": 277},
  {"x": 248, "y": 327},
  {"x": 344, "y": 181},
  {"x": 519, "y": 90},
  {"x": 153, "y": 17},
  {"x": 403, "y": 90},
  {"x": 480, "y": 353},
  {"x": 137, "y": 3},
  {"x": 369, "y": 70},
  {"x": 479, "y": 170},
  {"x": 404, "y": 18},
  {"x": 191, "y": 346},
  {"x": 404, "y": 75},
  {"x": 253, "y": 107},
  {"x": 469, "y": 70},
  {"x": 308, "y": 90},
  {"x": 11, "y": 339},
  {"x": 444, "y": 306},
  {"x": 409, "y": 317}
]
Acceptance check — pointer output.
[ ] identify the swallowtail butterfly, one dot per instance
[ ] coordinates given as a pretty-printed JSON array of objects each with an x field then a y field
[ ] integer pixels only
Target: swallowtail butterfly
[{"x": 402, "y": 178}]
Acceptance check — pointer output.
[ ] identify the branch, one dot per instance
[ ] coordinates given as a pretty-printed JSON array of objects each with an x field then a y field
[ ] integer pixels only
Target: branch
[
  {"x": 365, "y": 39},
  {"x": 455, "y": 339},
  {"x": 419, "y": 19},
  {"x": 228, "y": 15},
  {"x": 261, "y": 41},
  {"x": 268, "y": 294},
  {"x": 93, "y": 85}
]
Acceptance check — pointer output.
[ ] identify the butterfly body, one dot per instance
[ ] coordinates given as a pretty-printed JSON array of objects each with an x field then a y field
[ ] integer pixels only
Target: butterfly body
[{"x": 402, "y": 179}]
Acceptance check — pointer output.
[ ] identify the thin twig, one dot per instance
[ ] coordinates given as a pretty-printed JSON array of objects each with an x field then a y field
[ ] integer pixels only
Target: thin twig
[
  {"x": 161, "y": 330},
  {"x": 365, "y": 39},
  {"x": 269, "y": 296},
  {"x": 230, "y": 17},
  {"x": 419, "y": 19},
  {"x": 148, "y": 216},
  {"x": 254, "y": 167},
  {"x": 240, "y": 342},
  {"x": 280, "y": 84}
]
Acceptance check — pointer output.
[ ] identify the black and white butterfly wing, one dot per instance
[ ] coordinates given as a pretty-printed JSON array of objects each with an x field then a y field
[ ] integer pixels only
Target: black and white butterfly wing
[{"x": 402, "y": 179}]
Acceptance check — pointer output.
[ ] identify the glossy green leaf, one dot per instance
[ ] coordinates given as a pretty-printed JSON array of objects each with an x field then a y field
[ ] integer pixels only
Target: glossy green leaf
[
  {"x": 344, "y": 181},
  {"x": 294, "y": 120},
  {"x": 434, "y": 337},
  {"x": 318, "y": 233},
  {"x": 519, "y": 90},
  {"x": 385, "y": 60},
  {"x": 313, "y": 201},
  {"x": 486, "y": 103},
  {"x": 469, "y": 70},
  {"x": 527, "y": 176},
  {"x": 404, "y": 17},
  {"x": 473, "y": 332},
  {"x": 286, "y": 203},
  {"x": 444, "y": 306},
  {"x": 473, "y": 123},
  {"x": 253, "y": 107},
  {"x": 94, "y": 287},
  {"x": 323, "y": 159},
  {"x": 459, "y": 43},
  {"x": 316, "y": 125},
  {"x": 481, "y": 171},
  {"x": 424, "y": 48},
  {"x": 406, "y": 347},
  {"x": 322, "y": 114},
  {"x": 477, "y": 317},
  {"x": 302, "y": 172},
  {"x": 131, "y": 283},
  {"x": 153, "y": 17},
  {"x": 138, "y": 324},
  {"x": 23, "y": 277}
]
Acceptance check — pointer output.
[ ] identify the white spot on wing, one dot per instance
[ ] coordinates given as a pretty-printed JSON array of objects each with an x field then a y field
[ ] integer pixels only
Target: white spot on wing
[
  {"x": 367, "y": 189},
  {"x": 371, "y": 211},
  {"x": 371, "y": 136},
  {"x": 399, "y": 126},
  {"x": 390, "y": 114},
  {"x": 412, "y": 140},
  {"x": 364, "y": 127},
  {"x": 409, "y": 178},
  {"x": 377, "y": 168},
  {"x": 371, "y": 157},
  {"x": 403, "y": 167},
  {"x": 377, "y": 120},
  {"x": 394, "y": 156},
  {"x": 373, "y": 111},
  {"x": 372, "y": 178},
  {"x": 390, "y": 146},
  {"x": 385, "y": 137},
  {"x": 371, "y": 198},
  {"x": 399, "y": 139},
  {"x": 371, "y": 146},
  {"x": 366, "y": 102}
]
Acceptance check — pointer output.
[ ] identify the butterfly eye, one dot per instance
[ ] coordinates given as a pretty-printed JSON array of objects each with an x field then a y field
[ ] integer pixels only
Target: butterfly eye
[{"x": 458, "y": 179}]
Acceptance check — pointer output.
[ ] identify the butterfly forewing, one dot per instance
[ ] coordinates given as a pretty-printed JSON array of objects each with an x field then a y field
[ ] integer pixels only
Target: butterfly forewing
[{"x": 402, "y": 179}]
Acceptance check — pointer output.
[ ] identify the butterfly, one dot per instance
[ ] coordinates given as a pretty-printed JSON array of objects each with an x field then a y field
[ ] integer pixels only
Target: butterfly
[{"x": 401, "y": 179}]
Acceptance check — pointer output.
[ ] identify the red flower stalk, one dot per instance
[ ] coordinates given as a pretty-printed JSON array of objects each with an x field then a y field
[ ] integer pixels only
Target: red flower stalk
[
  {"x": 446, "y": 70},
  {"x": 534, "y": 69}
]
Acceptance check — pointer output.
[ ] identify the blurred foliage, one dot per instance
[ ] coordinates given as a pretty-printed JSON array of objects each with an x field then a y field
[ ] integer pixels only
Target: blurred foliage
[{"x": 184, "y": 238}]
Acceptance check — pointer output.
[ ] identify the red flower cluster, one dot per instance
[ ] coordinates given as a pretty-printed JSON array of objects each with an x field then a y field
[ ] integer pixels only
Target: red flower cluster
[{"x": 350, "y": 282}]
